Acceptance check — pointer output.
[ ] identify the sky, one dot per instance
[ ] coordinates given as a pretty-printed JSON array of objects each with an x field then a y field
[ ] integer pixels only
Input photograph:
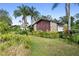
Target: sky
[{"x": 43, "y": 8}]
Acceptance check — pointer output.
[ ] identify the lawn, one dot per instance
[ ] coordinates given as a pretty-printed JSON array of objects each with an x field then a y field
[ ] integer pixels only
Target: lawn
[
  {"x": 52, "y": 47},
  {"x": 43, "y": 47}
]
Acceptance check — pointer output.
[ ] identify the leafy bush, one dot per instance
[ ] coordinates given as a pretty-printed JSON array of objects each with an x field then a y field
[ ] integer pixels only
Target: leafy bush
[
  {"x": 4, "y": 27},
  {"x": 15, "y": 28},
  {"x": 11, "y": 39},
  {"x": 61, "y": 34},
  {"x": 75, "y": 38},
  {"x": 46, "y": 34},
  {"x": 23, "y": 32},
  {"x": 13, "y": 36},
  {"x": 75, "y": 31},
  {"x": 65, "y": 35}
]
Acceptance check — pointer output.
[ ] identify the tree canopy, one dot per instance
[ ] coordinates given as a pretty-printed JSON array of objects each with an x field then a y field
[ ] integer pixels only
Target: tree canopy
[{"x": 4, "y": 16}]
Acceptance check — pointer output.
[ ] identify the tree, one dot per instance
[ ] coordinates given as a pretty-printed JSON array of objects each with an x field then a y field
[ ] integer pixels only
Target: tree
[
  {"x": 63, "y": 20},
  {"x": 55, "y": 20},
  {"x": 77, "y": 21},
  {"x": 4, "y": 17},
  {"x": 72, "y": 21},
  {"x": 22, "y": 11},
  {"x": 4, "y": 27},
  {"x": 34, "y": 14},
  {"x": 77, "y": 16},
  {"x": 47, "y": 17},
  {"x": 67, "y": 8},
  {"x": 77, "y": 24}
]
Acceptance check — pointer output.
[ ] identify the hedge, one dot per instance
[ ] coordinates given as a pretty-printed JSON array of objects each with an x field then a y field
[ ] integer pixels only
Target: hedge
[{"x": 46, "y": 34}]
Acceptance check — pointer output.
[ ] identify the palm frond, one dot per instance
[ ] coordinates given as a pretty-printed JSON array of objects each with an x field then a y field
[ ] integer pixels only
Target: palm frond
[
  {"x": 77, "y": 15},
  {"x": 17, "y": 13},
  {"x": 33, "y": 12},
  {"x": 55, "y": 5}
]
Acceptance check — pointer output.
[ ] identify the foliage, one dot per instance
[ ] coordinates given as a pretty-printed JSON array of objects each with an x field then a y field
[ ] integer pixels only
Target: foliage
[
  {"x": 47, "y": 17},
  {"x": 11, "y": 39},
  {"x": 22, "y": 11},
  {"x": 23, "y": 32},
  {"x": 39, "y": 46},
  {"x": 30, "y": 28},
  {"x": 5, "y": 21},
  {"x": 4, "y": 16},
  {"x": 63, "y": 35},
  {"x": 75, "y": 38},
  {"x": 67, "y": 10},
  {"x": 18, "y": 30},
  {"x": 46, "y": 34},
  {"x": 76, "y": 26},
  {"x": 55, "y": 20},
  {"x": 15, "y": 28},
  {"x": 64, "y": 20},
  {"x": 25, "y": 11},
  {"x": 4, "y": 27},
  {"x": 77, "y": 15},
  {"x": 34, "y": 14}
]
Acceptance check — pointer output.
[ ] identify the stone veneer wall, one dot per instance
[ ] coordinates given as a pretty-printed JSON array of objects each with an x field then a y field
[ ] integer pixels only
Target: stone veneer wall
[{"x": 53, "y": 27}]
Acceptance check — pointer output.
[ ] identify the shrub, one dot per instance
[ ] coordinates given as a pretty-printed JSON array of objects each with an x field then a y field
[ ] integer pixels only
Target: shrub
[
  {"x": 14, "y": 39},
  {"x": 4, "y": 27},
  {"x": 61, "y": 34},
  {"x": 65, "y": 35},
  {"x": 13, "y": 36},
  {"x": 46, "y": 34},
  {"x": 15, "y": 29},
  {"x": 75, "y": 38},
  {"x": 23, "y": 32}
]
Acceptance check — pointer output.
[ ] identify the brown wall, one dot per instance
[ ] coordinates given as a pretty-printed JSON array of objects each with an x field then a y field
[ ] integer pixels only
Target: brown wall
[{"x": 43, "y": 25}]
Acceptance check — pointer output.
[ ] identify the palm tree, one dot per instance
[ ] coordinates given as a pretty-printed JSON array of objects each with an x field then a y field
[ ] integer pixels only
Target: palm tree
[
  {"x": 22, "y": 11},
  {"x": 34, "y": 14},
  {"x": 64, "y": 20},
  {"x": 67, "y": 8}
]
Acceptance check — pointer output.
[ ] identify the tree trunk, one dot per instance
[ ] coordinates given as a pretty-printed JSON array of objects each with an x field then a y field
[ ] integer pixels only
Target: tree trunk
[
  {"x": 68, "y": 15},
  {"x": 24, "y": 21},
  {"x": 31, "y": 20}
]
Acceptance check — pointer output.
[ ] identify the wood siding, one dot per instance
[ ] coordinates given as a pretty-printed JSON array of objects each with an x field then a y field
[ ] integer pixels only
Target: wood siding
[{"x": 43, "y": 25}]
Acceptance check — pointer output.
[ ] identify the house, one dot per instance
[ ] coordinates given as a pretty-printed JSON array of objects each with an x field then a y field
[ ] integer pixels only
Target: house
[{"x": 47, "y": 25}]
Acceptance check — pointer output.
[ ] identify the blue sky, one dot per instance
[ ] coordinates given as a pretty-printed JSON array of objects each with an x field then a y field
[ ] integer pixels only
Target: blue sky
[{"x": 43, "y": 8}]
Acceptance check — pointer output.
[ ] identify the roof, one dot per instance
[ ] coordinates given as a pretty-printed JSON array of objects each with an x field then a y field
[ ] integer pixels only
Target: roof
[
  {"x": 46, "y": 20},
  {"x": 42, "y": 19}
]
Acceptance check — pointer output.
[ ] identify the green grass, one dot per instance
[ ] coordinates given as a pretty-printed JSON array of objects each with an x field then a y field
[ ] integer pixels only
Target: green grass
[
  {"x": 52, "y": 47},
  {"x": 42, "y": 47}
]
